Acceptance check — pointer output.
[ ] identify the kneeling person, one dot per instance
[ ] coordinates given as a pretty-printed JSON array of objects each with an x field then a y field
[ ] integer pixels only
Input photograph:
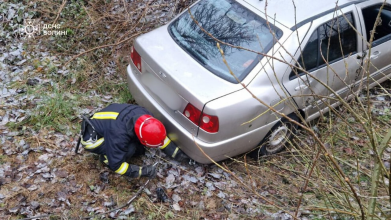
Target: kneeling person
[{"x": 121, "y": 131}]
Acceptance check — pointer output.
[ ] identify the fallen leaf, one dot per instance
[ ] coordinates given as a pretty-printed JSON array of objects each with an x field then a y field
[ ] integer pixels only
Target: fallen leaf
[
  {"x": 170, "y": 179},
  {"x": 33, "y": 187},
  {"x": 176, "y": 198},
  {"x": 113, "y": 214},
  {"x": 190, "y": 178},
  {"x": 34, "y": 205},
  {"x": 43, "y": 157},
  {"x": 348, "y": 151},
  {"x": 210, "y": 186},
  {"x": 181, "y": 203},
  {"x": 221, "y": 195},
  {"x": 61, "y": 173},
  {"x": 200, "y": 171},
  {"x": 109, "y": 204},
  {"x": 14, "y": 210},
  {"x": 129, "y": 210},
  {"x": 220, "y": 185},
  {"x": 211, "y": 204},
  {"x": 62, "y": 196},
  {"x": 215, "y": 175},
  {"x": 176, "y": 207}
]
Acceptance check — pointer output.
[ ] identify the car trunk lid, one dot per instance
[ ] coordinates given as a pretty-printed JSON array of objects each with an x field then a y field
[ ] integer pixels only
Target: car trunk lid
[
  {"x": 173, "y": 78},
  {"x": 176, "y": 68}
]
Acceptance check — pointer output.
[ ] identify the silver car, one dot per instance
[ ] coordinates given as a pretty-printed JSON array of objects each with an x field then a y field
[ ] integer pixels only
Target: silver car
[{"x": 178, "y": 72}]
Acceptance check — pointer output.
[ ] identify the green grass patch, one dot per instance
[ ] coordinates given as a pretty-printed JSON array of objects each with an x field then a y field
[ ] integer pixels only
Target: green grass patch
[{"x": 55, "y": 110}]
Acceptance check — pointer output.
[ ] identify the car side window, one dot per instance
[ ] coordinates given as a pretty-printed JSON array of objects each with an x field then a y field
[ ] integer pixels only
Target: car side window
[
  {"x": 309, "y": 57},
  {"x": 383, "y": 28},
  {"x": 336, "y": 39}
]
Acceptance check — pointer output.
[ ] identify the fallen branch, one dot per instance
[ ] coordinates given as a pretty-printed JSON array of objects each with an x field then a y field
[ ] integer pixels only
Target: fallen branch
[{"x": 126, "y": 204}]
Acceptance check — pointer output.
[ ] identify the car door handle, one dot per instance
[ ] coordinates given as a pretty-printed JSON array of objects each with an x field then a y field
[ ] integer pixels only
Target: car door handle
[
  {"x": 374, "y": 55},
  {"x": 301, "y": 87}
]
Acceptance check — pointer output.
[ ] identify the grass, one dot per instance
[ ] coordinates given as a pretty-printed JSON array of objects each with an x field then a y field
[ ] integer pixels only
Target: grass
[
  {"x": 56, "y": 110},
  {"x": 279, "y": 178}
]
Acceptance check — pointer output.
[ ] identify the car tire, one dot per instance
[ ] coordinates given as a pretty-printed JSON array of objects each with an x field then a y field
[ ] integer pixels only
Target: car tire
[{"x": 277, "y": 138}]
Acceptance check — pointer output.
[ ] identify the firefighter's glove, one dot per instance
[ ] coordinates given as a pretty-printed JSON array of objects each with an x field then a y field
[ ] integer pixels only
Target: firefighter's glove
[{"x": 149, "y": 171}]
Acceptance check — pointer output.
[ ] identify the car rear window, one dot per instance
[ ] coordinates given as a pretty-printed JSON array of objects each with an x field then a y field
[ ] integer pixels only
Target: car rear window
[{"x": 229, "y": 22}]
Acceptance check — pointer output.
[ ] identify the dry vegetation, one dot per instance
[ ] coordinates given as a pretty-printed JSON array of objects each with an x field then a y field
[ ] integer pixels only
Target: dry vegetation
[{"x": 328, "y": 173}]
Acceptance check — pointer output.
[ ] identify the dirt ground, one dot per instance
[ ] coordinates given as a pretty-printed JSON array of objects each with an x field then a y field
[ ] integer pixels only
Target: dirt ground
[{"x": 47, "y": 82}]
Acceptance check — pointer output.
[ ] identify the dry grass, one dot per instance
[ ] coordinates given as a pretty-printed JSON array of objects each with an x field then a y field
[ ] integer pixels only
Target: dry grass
[{"x": 276, "y": 182}]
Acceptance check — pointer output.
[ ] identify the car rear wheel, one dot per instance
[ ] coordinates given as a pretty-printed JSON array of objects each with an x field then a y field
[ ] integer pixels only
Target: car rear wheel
[{"x": 277, "y": 138}]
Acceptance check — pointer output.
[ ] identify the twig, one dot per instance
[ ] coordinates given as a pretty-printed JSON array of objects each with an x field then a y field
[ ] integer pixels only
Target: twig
[
  {"x": 304, "y": 189},
  {"x": 240, "y": 181},
  {"x": 115, "y": 44},
  {"x": 147, "y": 7},
  {"x": 39, "y": 143},
  {"x": 59, "y": 12},
  {"x": 126, "y": 204},
  {"x": 88, "y": 14},
  {"x": 103, "y": 46},
  {"x": 379, "y": 164},
  {"x": 376, "y": 175},
  {"x": 248, "y": 171},
  {"x": 332, "y": 210},
  {"x": 327, "y": 153}
]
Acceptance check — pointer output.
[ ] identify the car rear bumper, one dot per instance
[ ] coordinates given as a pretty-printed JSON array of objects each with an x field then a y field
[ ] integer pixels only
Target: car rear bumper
[{"x": 191, "y": 145}]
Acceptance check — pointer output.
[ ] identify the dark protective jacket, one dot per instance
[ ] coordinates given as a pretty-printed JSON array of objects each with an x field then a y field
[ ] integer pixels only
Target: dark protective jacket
[{"x": 116, "y": 139}]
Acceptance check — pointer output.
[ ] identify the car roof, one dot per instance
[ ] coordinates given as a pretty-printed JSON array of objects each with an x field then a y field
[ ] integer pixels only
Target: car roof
[{"x": 306, "y": 10}]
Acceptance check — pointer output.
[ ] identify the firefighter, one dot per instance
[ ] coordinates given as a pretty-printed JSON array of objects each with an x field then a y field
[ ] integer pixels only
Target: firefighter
[{"x": 121, "y": 131}]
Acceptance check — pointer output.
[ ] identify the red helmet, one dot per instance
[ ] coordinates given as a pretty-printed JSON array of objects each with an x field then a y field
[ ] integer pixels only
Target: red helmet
[{"x": 150, "y": 131}]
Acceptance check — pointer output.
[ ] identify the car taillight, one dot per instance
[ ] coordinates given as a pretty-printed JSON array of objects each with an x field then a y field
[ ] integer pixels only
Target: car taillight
[
  {"x": 207, "y": 122},
  {"x": 192, "y": 113},
  {"x": 136, "y": 58}
]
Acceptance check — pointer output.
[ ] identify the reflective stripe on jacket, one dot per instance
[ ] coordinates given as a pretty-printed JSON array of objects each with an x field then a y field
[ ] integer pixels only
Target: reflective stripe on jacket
[{"x": 119, "y": 142}]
